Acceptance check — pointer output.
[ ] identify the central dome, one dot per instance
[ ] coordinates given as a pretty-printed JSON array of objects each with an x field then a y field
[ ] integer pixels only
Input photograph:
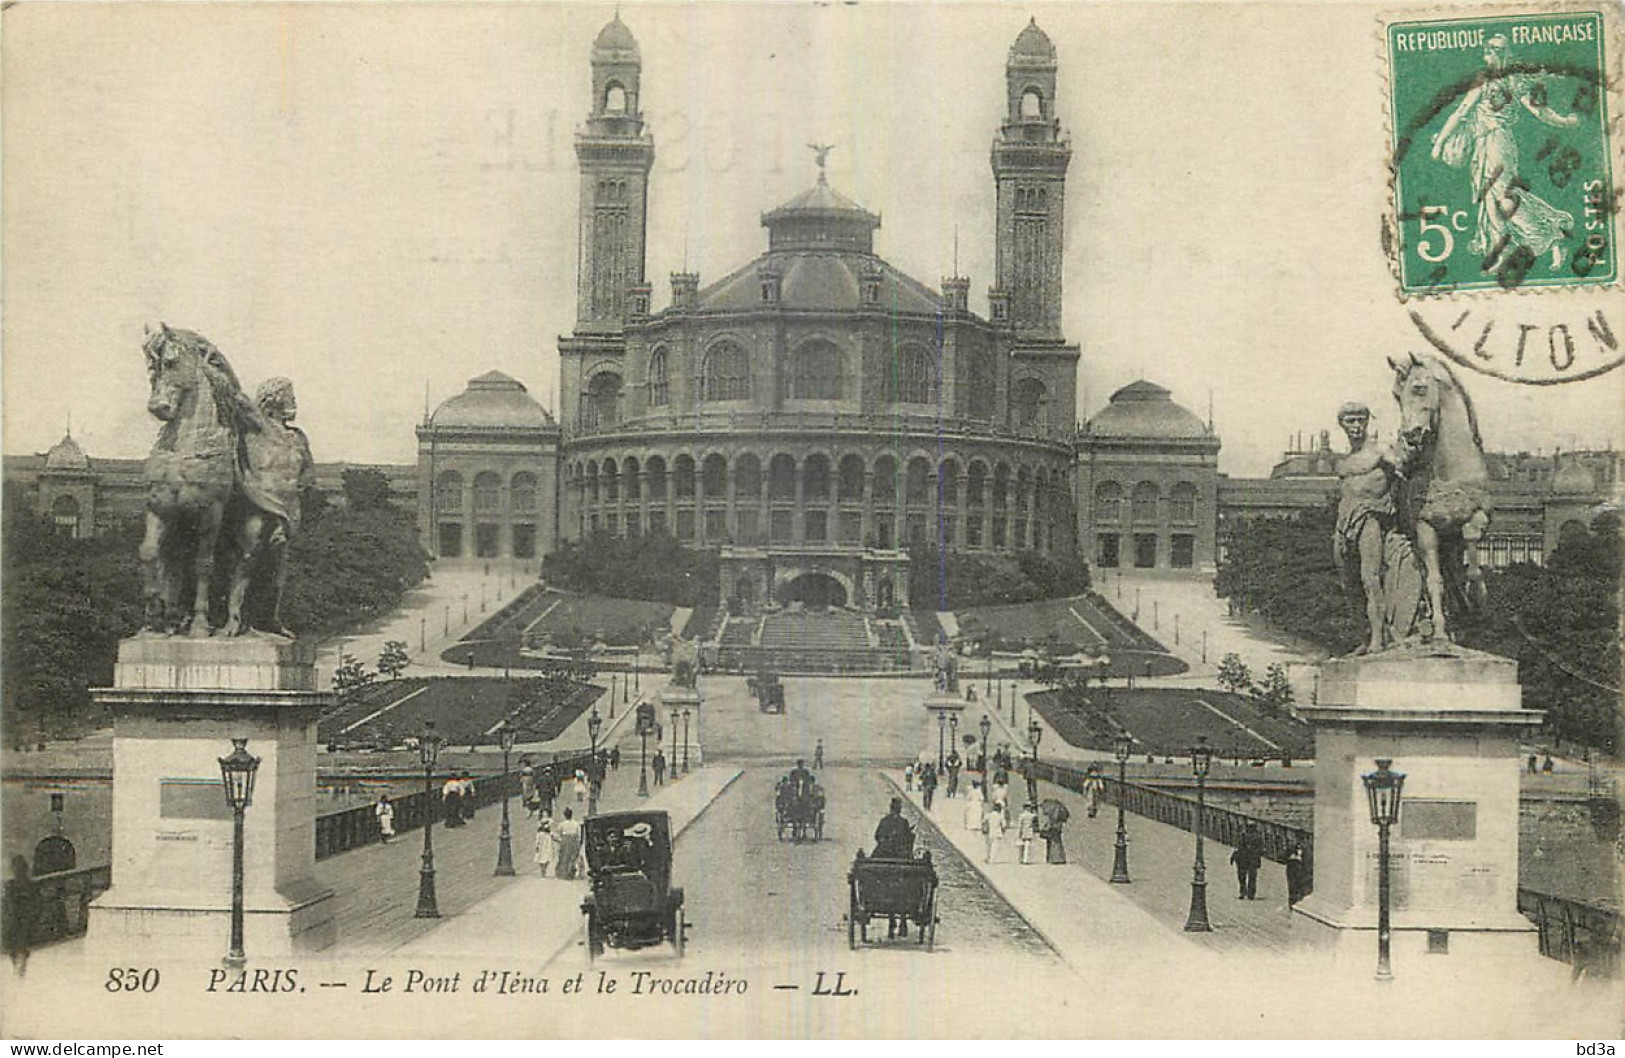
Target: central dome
[
  {"x": 492, "y": 400},
  {"x": 1146, "y": 410},
  {"x": 821, "y": 218}
]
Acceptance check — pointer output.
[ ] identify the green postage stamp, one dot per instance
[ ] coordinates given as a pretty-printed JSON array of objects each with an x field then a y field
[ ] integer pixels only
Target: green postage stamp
[{"x": 1502, "y": 160}]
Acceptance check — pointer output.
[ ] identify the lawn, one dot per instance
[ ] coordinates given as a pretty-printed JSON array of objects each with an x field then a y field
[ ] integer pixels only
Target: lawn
[
  {"x": 1083, "y": 623},
  {"x": 464, "y": 709},
  {"x": 1166, "y": 721}
]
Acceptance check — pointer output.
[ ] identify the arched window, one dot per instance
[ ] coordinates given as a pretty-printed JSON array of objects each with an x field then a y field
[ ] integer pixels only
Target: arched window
[
  {"x": 726, "y": 374},
  {"x": 781, "y": 478},
  {"x": 659, "y": 379},
  {"x": 629, "y": 473},
  {"x": 615, "y": 98},
  {"x": 448, "y": 492},
  {"x": 592, "y": 481},
  {"x": 524, "y": 491},
  {"x": 748, "y": 477},
  {"x": 914, "y": 377},
  {"x": 487, "y": 493},
  {"x": 815, "y": 478},
  {"x": 948, "y": 483},
  {"x": 974, "y": 485},
  {"x": 814, "y": 372},
  {"x": 1146, "y": 495},
  {"x": 65, "y": 515},
  {"x": 1032, "y": 104},
  {"x": 1108, "y": 502},
  {"x": 916, "y": 487},
  {"x": 1182, "y": 503},
  {"x": 682, "y": 472},
  {"x": 714, "y": 476},
  {"x": 849, "y": 486},
  {"x": 657, "y": 478},
  {"x": 981, "y": 384},
  {"x": 886, "y": 481},
  {"x": 603, "y": 400},
  {"x": 1001, "y": 487},
  {"x": 1027, "y": 402}
]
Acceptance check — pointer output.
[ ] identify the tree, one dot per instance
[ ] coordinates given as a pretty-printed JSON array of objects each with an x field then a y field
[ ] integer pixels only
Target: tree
[
  {"x": 393, "y": 659},
  {"x": 1274, "y": 695},
  {"x": 350, "y": 676},
  {"x": 1234, "y": 675},
  {"x": 366, "y": 489}
]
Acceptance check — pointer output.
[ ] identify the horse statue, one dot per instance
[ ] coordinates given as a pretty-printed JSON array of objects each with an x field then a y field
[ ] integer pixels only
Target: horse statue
[
  {"x": 222, "y": 468},
  {"x": 1442, "y": 497},
  {"x": 191, "y": 475}
]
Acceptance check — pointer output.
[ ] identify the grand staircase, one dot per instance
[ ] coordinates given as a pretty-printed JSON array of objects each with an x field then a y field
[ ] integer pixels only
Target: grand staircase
[{"x": 812, "y": 641}]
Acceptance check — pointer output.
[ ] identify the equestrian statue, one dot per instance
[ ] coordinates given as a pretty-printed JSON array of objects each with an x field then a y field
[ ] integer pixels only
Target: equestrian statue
[{"x": 223, "y": 491}]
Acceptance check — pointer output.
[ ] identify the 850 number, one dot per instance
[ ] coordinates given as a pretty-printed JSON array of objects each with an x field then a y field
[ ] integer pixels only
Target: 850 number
[{"x": 132, "y": 979}]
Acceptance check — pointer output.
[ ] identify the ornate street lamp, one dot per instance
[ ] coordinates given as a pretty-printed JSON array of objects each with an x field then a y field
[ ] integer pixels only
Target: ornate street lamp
[
  {"x": 1122, "y": 748},
  {"x": 237, "y": 776},
  {"x": 595, "y": 724},
  {"x": 1382, "y": 789},
  {"x": 507, "y": 735},
  {"x": 1201, "y": 761},
  {"x": 1035, "y": 735},
  {"x": 675, "y": 760},
  {"x": 986, "y": 724},
  {"x": 988, "y": 693},
  {"x": 643, "y": 753},
  {"x": 613, "y": 690},
  {"x": 953, "y": 733},
  {"x": 429, "y": 745},
  {"x": 685, "y": 742}
]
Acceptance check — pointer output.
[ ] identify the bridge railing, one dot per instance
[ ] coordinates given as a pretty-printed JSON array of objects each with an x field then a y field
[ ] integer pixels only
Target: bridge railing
[
  {"x": 1587, "y": 936},
  {"x": 64, "y": 902}
]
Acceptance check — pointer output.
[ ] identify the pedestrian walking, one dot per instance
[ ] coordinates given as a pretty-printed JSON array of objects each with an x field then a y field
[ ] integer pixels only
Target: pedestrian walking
[
  {"x": 1297, "y": 874},
  {"x": 20, "y": 916},
  {"x": 818, "y": 755},
  {"x": 908, "y": 776},
  {"x": 581, "y": 786},
  {"x": 1094, "y": 789},
  {"x": 544, "y": 845},
  {"x": 568, "y": 845},
  {"x": 1026, "y": 831},
  {"x": 928, "y": 786},
  {"x": 467, "y": 784},
  {"x": 658, "y": 765},
  {"x": 993, "y": 830},
  {"x": 384, "y": 812},
  {"x": 954, "y": 763},
  {"x": 1001, "y": 789},
  {"x": 1052, "y": 817},
  {"x": 451, "y": 797},
  {"x": 1248, "y": 857},
  {"x": 615, "y": 759},
  {"x": 973, "y": 807},
  {"x": 1546, "y": 765}
]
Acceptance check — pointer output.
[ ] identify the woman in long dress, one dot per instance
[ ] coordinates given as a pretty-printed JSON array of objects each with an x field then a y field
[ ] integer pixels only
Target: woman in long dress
[
  {"x": 544, "y": 845},
  {"x": 568, "y": 849},
  {"x": 1479, "y": 132},
  {"x": 385, "y": 813}
]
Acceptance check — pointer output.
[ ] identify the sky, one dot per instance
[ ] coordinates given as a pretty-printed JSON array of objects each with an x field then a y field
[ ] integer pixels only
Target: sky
[{"x": 380, "y": 201}]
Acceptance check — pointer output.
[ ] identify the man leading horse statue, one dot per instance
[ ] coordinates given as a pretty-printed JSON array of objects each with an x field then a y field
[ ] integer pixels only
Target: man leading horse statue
[
  {"x": 223, "y": 482},
  {"x": 1410, "y": 515}
]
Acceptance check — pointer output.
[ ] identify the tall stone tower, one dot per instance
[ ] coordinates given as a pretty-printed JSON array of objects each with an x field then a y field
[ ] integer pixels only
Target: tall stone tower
[
  {"x": 615, "y": 155},
  {"x": 1030, "y": 157}
]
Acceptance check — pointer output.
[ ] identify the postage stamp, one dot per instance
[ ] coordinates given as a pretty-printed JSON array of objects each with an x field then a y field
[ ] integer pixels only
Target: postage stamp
[{"x": 1501, "y": 153}]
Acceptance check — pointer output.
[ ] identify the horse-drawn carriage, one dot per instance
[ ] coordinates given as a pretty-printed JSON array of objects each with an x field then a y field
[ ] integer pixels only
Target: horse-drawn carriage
[
  {"x": 798, "y": 809},
  {"x": 769, "y": 692},
  {"x": 632, "y": 903},
  {"x": 898, "y": 890}
]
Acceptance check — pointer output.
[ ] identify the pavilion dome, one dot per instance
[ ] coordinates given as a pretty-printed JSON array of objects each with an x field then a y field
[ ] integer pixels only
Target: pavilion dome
[
  {"x": 66, "y": 455},
  {"x": 1574, "y": 479},
  {"x": 1146, "y": 410},
  {"x": 493, "y": 400}
]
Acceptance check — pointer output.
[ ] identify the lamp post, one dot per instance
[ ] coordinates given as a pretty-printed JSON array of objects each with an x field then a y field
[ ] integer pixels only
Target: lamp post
[
  {"x": 429, "y": 745},
  {"x": 595, "y": 723},
  {"x": 942, "y": 737},
  {"x": 674, "y": 757},
  {"x": 1123, "y": 747},
  {"x": 986, "y": 725},
  {"x": 237, "y": 776},
  {"x": 507, "y": 735},
  {"x": 423, "y": 635},
  {"x": 685, "y": 742},
  {"x": 643, "y": 759},
  {"x": 613, "y": 690},
  {"x": 953, "y": 732},
  {"x": 1382, "y": 789},
  {"x": 989, "y": 689},
  {"x": 1035, "y": 735},
  {"x": 1201, "y": 760}
]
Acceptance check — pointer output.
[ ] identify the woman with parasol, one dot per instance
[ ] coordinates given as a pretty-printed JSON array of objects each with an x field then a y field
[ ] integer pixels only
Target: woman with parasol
[{"x": 1052, "y": 817}]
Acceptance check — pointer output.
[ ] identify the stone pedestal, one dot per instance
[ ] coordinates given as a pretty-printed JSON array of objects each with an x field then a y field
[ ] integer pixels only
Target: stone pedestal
[
  {"x": 942, "y": 710},
  {"x": 177, "y": 703},
  {"x": 1450, "y": 721},
  {"x": 680, "y": 698}
]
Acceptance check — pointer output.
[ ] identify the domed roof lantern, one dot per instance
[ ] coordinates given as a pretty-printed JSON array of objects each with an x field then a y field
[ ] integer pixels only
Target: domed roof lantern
[
  {"x": 615, "y": 43},
  {"x": 1574, "y": 479},
  {"x": 821, "y": 218},
  {"x": 1032, "y": 47},
  {"x": 1144, "y": 409}
]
